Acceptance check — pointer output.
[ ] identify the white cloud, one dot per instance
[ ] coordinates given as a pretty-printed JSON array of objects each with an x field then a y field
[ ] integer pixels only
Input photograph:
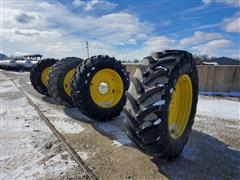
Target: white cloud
[
  {"x": 160, "y": 42},
  {"x": 56, "y": 31},
  {"x": 235, "y": 3},
  {"x": 141, "y": 36},
  {"x": 232, "y": 24},
  {"x": 132, "y": 41},
  {"x": 200, "y": 37},
  {"x": 153, "y": 44},
  {"x": 78, "y": 3},
  {"x": 165, "y": 22},
  {"x": 213, "y": 48},
  {"x": 94, "y": 4},
  {"x": 210, "y": 46}
]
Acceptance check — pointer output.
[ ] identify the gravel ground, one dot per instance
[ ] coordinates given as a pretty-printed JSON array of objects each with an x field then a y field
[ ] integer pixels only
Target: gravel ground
[{"x": 213, "y": 150}]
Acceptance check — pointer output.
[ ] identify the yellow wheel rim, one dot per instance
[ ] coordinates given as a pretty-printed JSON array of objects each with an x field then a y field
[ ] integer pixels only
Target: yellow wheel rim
[
  {"x": 67, "y": 81},
  {"x": 106, "y": 88},
  {"x": 180, "y": 106},
  {"x": 44, "y": 76}
]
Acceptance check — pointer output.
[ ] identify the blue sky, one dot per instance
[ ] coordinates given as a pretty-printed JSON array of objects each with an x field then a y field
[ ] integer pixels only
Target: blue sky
[{"x": 124, "y": 29}]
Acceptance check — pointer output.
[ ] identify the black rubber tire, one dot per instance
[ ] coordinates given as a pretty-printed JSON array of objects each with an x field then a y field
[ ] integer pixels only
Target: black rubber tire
[
  {"x": 35, "y": 75},
  {"x": 148, "y": 100},
  {"x": 56, "y": 79},
  {"x": 81, "y": 87}
]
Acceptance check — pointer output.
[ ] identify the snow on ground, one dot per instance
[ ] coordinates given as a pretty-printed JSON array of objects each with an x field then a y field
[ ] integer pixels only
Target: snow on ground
[
  {"x": 218, "y": 108},
  {"x": 112, "y": 128},
  {"x": 115, "y": 129},
  {"x": 58, "y": 117},
  {"x": 83, "y": 155},
  {"x": 23, "y": 139},
  {"x": 6, "y": 86},
  {"x": 66, "y": 127}
]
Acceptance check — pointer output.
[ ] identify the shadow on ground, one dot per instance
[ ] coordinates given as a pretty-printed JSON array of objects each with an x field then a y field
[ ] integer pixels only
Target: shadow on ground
[
  {"x": 203, "y": 157},
  {"x": 49, "y": 100}
]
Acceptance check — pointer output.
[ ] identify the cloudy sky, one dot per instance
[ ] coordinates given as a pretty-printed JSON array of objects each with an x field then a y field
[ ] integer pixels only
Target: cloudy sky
[{"x": 124, "y": 29}]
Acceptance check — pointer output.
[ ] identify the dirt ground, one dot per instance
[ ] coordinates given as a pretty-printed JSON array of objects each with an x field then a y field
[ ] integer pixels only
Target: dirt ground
[{"x": 30, "y": 150}]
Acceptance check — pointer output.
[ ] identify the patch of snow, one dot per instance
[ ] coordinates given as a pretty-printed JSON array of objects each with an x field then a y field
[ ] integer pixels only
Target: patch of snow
[
  {"x": 83, "y": 155},
  {"x": 67, "y": 127},
  {"x": 114, "y": 129},
  {"x": 70, "y": 127},
  {"x": 7, "y": 86},
  {"x": 46, "y": 108},
  {"x": 161, "y": 67},
  {"x": 52, "y": 167},
  {"x": 158, "y": 121},
  {"x": 218, "y": 108},
  {"x": 117, "y": 143},
  {"x": 159, "y": 103},
  {"x": 236, "y": 126},
  {"x": 160, "y": 85}
]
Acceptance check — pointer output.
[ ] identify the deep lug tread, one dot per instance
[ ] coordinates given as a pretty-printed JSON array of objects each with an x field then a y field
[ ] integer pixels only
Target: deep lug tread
[
  {"x": 132, "y": 101},
  {"x": 137, "y": 85},
  {"x": 152, "y": 134},
  {"x": 145, "y": 112},
  {"x": 154, "y": 75},
  {"x": 148, "y": 93}
]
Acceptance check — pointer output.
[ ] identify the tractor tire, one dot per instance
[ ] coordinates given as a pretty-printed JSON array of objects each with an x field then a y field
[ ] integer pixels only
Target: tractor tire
[
  {"x": 161, "y": 103},
  {"x": 59, "y": 83},
  {"x": 39, "y": 75},
  {"x": 98, "y": 87}
]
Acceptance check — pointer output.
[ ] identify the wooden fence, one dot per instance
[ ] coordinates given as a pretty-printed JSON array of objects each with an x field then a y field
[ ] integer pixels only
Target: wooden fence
[{"x": 212, "y": 78}]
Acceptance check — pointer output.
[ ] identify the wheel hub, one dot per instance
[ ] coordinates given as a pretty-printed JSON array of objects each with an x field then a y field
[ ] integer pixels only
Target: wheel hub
[{"x": 103, "y": 88}]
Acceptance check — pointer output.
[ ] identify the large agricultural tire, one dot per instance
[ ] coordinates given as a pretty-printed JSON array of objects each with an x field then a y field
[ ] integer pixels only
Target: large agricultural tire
[
  {"x": 98, "y": 87},
  {"x": 161, "y": 103},
  {"x": 39, "y": 75},
  {"x": 59, "y": 80}
]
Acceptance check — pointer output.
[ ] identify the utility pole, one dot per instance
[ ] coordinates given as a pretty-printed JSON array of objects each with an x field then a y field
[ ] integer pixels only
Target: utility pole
[{"x": 87, "y": 48}]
